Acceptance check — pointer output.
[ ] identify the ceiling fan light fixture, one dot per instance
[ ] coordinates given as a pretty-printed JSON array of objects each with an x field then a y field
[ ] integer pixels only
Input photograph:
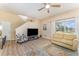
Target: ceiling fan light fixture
[{"x": 47, "y": 6}]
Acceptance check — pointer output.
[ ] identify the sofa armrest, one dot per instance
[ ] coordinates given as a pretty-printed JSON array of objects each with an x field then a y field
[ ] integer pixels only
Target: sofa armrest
[{"x": 75, "y": 44}]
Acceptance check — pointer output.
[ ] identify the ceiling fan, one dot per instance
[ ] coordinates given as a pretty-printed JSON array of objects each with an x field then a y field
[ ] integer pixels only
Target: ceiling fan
[{"x": 48, "y": 6}]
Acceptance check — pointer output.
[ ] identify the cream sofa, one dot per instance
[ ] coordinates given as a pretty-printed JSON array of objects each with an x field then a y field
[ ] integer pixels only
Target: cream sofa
[{"x": 65, "y": 40}]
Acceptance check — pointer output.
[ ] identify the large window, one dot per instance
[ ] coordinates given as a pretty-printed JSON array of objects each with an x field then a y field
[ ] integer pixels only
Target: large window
[{"x": 66, "y": 26}]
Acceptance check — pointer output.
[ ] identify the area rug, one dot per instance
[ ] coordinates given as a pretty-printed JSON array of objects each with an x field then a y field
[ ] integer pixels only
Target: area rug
[{"x": 55, "y": 50}]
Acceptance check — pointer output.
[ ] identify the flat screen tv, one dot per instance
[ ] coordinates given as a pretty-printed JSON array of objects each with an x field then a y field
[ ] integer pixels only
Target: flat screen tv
[{"x": 32, "y": 32}]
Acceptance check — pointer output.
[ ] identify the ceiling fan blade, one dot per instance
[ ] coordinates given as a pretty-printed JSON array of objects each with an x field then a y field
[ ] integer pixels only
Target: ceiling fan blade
[
  {"x": 56, "y": 5},
  {"x": 41, "y": 8}
]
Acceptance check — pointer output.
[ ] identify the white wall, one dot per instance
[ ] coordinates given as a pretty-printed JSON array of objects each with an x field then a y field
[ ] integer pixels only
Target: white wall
[
  {"x": 65, "y": 15},
  {"x": 50, "y": 22},
  {"x": 23, "y": 29},
  {"x": 50, "y": 28},
  {"x": 6, "y": 29},
  {"x": 46, "y": 33},
  {"x": 77, "y": 26}
]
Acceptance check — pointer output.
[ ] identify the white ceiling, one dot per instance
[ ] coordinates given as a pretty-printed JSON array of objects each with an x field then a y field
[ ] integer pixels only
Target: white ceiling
[{"x": 31, "y": 9}]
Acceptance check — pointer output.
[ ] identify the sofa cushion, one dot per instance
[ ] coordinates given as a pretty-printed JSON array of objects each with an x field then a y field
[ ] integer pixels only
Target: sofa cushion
[
  {"x": 70, "y": 42},
  {"x": 64, "y": 41},
  {"x": 69, "y": 36},
  {"x": 58, "y": 35}
]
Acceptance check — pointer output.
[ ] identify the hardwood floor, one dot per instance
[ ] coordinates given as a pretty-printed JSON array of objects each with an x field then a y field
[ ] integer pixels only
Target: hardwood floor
[{"x": 12, "y": 48}]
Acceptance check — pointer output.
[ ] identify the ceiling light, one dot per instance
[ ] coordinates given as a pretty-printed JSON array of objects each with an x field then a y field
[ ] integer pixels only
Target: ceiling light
[
  {"x": 23, "y": 17},
  {"x": 47, "y": 6}
]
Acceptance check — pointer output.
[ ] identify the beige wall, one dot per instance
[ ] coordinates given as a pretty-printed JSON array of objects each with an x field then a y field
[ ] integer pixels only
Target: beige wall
[
  {"x": 68, "y": 14},
  {"x": 13, "y": 19},
  {"x": 16, "y": 21}
]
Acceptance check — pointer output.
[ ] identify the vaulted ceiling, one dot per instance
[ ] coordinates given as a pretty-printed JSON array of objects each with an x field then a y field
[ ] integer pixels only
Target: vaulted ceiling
[{"x": 31, "y": 9}]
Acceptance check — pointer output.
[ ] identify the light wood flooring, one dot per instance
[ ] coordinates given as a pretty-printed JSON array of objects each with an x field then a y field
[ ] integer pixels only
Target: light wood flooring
[{"x": 12, "y": 48}]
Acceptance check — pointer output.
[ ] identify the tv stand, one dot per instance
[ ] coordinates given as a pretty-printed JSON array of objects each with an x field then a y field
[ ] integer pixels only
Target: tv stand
[
  {"x": 32, "y": 37},
  {"x": 29, "y": 38}
]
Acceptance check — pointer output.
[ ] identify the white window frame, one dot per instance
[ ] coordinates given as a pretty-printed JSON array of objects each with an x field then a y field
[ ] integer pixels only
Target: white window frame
[{"x": 64, "y": 20}]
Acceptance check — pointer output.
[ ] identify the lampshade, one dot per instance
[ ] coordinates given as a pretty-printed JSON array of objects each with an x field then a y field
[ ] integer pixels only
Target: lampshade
[{"x": 0, "y": 27}]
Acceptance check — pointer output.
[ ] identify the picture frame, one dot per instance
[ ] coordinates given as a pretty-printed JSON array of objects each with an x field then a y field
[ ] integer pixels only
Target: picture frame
[{"x": 44, "y": 27}]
